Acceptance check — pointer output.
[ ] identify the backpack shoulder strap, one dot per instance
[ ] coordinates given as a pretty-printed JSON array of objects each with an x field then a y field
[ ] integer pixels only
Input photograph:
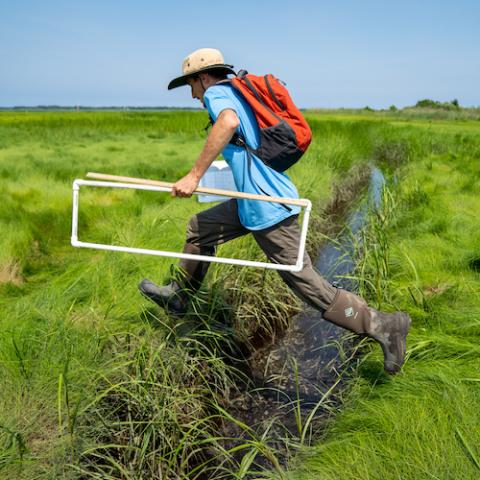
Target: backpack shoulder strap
[{"x": 236, "y": 139}]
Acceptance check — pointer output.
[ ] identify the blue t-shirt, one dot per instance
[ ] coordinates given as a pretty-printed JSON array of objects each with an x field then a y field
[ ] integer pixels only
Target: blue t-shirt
[{"x": 254, "y": 178}]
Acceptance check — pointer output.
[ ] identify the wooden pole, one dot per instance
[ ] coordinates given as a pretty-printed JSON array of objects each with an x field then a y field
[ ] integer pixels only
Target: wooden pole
[{"x": 209, "y": 191}]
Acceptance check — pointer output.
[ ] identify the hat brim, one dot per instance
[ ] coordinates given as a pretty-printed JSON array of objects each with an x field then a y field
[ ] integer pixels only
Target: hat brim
[{"x": 181, "y": 81}]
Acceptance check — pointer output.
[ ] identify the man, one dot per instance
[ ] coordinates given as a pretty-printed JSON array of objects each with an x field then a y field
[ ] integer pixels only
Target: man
[{"x": 273, "y": 225}]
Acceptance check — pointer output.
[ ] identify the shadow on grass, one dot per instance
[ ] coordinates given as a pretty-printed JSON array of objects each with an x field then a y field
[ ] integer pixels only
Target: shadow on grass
[{"x": 372, "y": 371}]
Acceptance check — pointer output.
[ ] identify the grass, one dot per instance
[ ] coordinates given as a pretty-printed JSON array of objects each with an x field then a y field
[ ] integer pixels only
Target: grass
[
  {"x": 417, "y": 256},
  {"x": 98, "y": 383}
]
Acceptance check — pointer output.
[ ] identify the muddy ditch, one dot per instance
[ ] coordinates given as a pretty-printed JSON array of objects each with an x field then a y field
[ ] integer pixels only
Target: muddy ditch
[{"x": 303, "y": 368}]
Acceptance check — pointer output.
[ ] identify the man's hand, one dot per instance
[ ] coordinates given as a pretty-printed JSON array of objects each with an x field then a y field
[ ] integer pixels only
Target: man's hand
[{"x": 185, "y": 186}]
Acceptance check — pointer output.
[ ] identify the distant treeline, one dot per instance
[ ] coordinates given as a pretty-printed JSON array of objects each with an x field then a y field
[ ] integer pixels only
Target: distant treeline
[
  {"x": 428, "y": 103},
  {"x": 421, "y": 105}
]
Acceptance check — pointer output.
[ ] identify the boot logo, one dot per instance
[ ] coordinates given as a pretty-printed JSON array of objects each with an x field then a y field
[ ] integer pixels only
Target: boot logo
[{"x": 349, "y": 312}]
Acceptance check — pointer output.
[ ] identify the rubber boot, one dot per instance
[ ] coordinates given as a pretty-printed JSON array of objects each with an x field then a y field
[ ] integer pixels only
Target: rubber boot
[
  {"x": 175, "y": 297},
  {"x": 170, "y": 297},
  {"x": 389, "y": 329}
]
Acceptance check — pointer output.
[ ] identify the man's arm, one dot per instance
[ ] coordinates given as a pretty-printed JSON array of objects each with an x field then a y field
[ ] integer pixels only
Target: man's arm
[{"x": 221, "y": 133}]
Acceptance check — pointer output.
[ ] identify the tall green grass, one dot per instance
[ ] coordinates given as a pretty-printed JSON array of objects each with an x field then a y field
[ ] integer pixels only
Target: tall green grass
[
  {"x": 99, "y": 383},
  {"x": 417, "y": 256}
]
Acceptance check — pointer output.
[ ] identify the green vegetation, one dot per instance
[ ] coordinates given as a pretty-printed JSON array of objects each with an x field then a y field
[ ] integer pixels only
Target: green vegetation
[
  {"x": 98, "y": 383},
  {"x": 420, "y": 254},
  {"x": 427, "y": 103}
]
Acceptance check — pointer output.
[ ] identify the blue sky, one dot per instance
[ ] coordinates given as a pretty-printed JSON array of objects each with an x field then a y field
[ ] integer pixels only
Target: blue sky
[{"x": 331, "y": 54}]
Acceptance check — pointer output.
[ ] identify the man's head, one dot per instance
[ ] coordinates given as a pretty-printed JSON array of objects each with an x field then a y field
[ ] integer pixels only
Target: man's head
[
  {"x": 202, "y": 69},
  {"x": 200, "y": 82}
]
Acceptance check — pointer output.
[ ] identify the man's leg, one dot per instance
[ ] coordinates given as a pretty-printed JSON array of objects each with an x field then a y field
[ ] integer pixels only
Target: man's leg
[
  {"x": 205, "y": 231},
  {"x": 280, "y": 244}
]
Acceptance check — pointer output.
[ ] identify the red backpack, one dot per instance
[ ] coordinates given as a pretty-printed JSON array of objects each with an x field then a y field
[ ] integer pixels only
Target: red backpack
[{"x": 284, "y": 132}]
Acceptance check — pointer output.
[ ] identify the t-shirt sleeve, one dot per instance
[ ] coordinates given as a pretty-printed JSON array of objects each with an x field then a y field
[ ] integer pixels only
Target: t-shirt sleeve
[{"x": 216, "y": 100}]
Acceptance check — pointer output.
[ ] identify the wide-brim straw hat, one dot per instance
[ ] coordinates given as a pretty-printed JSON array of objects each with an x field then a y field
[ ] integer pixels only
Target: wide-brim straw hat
[{"x": 203, "y": 60}]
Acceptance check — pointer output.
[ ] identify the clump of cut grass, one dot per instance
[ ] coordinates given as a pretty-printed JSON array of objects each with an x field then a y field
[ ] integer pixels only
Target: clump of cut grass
[{"x": 10, "y": 272}]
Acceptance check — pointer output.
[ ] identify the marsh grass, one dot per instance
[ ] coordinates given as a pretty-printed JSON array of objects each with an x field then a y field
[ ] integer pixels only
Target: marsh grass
[
  {"x": 98, "y": 383},
  {"x": 372, "y": 274},
  {"x": 416, "y": 256}
]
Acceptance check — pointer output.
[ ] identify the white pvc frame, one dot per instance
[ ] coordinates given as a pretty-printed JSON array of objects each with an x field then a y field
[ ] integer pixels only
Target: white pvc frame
[{"x": 206, "y": 258}]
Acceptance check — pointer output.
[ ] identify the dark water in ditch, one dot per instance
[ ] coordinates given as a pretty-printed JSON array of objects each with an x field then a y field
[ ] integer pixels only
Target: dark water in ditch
[{"x": 300, "y": 367}]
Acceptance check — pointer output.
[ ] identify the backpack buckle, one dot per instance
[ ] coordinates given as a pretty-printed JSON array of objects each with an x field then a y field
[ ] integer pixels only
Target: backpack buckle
[{"x": 237, "y": 140}]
